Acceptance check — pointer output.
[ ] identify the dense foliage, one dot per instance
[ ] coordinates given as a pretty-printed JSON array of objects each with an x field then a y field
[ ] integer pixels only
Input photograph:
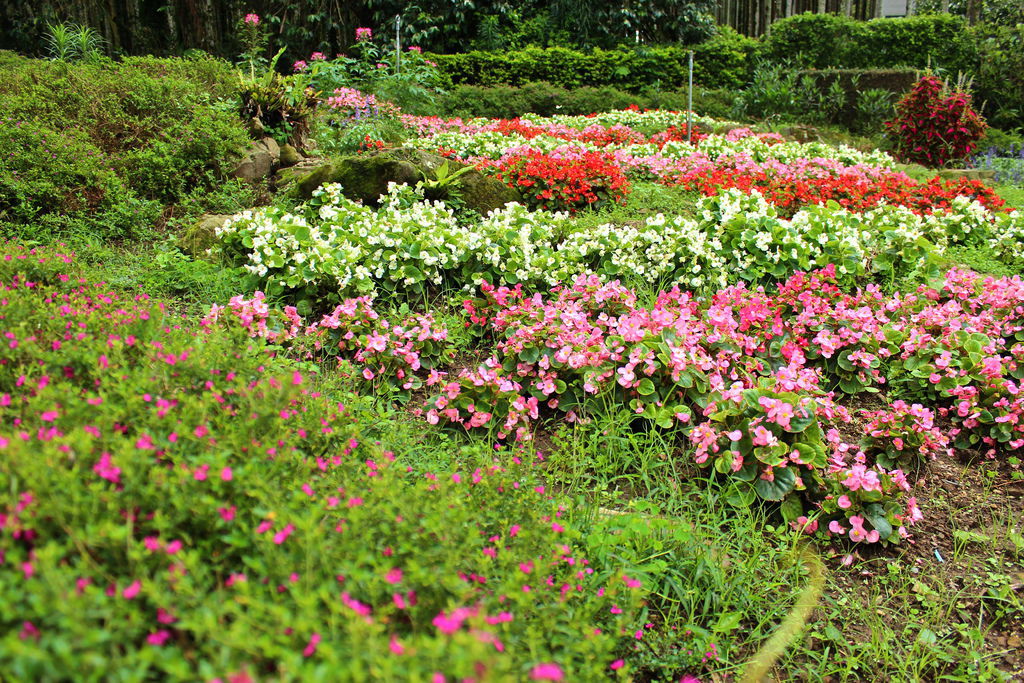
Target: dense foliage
[
  {"x": 101, "y": 148},
  {"x": 935, "y": 125},
  {"x": 719, "y": 61},
  {"x": 179, "y": 503}
]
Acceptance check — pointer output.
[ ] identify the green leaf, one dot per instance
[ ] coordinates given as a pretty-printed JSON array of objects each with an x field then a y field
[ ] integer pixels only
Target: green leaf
[
  {"x": 875, "y": 514},
  {"x": 646, "y": 387},
  {"x": 782, "y": 484},
  {"x": 791, "y": 508}
]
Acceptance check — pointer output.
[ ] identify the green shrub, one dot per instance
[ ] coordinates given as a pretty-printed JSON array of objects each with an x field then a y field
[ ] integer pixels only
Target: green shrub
[
  {"x": 821, "y": 41},
  {"x": 718, "y": 62},
  {"x": 811, "y": 41},
  {"x": 999, "y": 80},
  {"x": 860, "y": 111},
  {"x": 101, "y": 146},
  {"x": 55, "y": 182},
  {"x": 505, "y": 101}
]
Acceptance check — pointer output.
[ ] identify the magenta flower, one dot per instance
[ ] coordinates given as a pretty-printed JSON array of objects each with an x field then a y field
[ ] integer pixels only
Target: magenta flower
[
  {"x": 252, "y": 19},
  {"x": 299, "y": 66},
  {"x": 364, "y": 34},
  {"x": 547, "y": 672},
  {"x": 158, "y": 638}
]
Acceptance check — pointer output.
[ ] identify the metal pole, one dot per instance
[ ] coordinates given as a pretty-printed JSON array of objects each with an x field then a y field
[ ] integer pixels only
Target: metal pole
[
  {"x": 398, "y": 42},
  {"x": 689, "y": 104}
]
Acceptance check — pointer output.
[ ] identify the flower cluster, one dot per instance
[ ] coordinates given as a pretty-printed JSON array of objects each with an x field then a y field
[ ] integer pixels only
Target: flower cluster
[
  {"x": 742, "y": 376},
  {"x": 564, "y": 179},
  {"x": 353, "y": 103},
  {"x": 790, "y": 175},
  {"x": 338, "y": 247}
]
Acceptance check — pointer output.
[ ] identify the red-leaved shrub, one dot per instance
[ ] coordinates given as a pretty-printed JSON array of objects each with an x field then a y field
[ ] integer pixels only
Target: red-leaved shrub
[{"x": 935, "y": 124}]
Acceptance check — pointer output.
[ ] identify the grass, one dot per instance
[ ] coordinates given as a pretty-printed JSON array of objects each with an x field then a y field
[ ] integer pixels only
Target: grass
[{"x": 899, "y": 615}]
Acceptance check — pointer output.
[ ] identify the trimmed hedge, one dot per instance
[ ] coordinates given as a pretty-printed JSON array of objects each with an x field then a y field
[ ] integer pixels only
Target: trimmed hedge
[
  {"x": 719, "y": 62},
  {"x": 506, "y": 101},
  {"x": 822, "y": 41}
]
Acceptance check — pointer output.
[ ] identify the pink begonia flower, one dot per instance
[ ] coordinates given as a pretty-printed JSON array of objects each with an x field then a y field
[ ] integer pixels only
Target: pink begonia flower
[{"x": 132, "y": 590}]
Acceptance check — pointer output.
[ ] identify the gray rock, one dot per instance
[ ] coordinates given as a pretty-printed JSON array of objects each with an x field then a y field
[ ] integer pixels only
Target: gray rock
[{"x": 259, "y": 161}]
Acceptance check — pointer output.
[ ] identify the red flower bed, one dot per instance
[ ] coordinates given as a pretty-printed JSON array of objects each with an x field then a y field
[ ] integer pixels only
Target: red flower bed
[
  {"x": 565, "y": 181},
  {"x": 849, "y": 191}
]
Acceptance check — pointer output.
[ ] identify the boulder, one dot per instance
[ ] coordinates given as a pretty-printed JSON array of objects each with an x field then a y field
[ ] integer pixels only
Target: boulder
[
  {"x": 289, "y": 156},
  {"x": 259, "y": 160},
  {"x": 202, "y": 234},
  {"x": 365, "y": 177}
]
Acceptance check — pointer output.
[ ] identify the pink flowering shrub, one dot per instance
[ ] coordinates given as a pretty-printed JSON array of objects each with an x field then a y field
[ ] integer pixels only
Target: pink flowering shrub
[
  {"x": 904, "y": 433},
  {"x": 752, "y": 380},
  {"x": 181, "y": 504},
  {"x": 348, "y": 102}
]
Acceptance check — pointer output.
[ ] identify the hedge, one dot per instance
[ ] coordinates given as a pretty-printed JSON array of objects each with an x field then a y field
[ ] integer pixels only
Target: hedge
[
  {"x": 719, "y": 62},
  {"x": 821, "y": 41},
  {"x": 508, "y": 101},
  {"x": 993, "y": 56}
]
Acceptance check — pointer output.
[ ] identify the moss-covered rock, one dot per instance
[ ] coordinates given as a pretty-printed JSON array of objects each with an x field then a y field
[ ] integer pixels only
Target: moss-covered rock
[
  {"x": 289, "y": 156},
  {"x": 483, "y": 193},
  {"x": 202, "y": 235},
  {"x": 365, "y": 178}
]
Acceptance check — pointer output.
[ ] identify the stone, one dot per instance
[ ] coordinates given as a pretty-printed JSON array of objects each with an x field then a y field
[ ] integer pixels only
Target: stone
[
  {"x": 484, "y": 193},
  {"x": 259, "y": 161},
  {"x": 202, "y": 234},
  {"x": 967, "y": 173},
  {"x": 365, "y": 178},
  {"x": 289, "y": 156}
]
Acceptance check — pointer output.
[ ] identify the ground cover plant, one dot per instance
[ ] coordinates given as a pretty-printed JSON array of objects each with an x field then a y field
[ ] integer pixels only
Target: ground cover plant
[{"x": 709, "y": 400}]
